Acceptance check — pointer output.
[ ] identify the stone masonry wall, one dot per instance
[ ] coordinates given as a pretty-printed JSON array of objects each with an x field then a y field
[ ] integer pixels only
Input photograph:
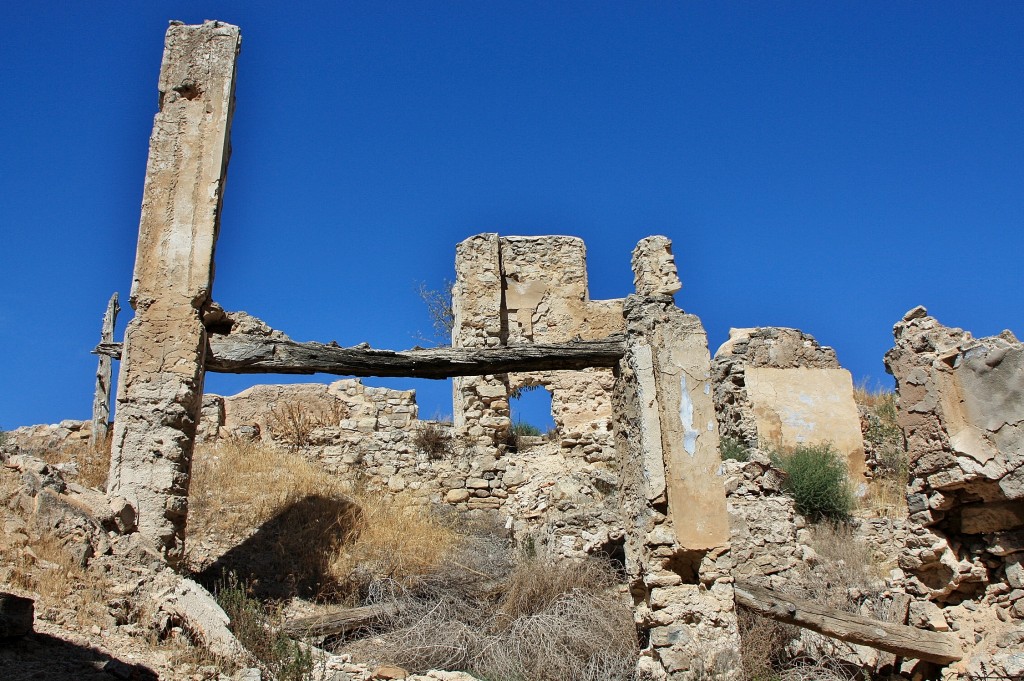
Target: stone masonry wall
[
  {"x": 779, "y": 387},
  {"x": 961, "y": 407},
  {"x": 519, "y": 290}
]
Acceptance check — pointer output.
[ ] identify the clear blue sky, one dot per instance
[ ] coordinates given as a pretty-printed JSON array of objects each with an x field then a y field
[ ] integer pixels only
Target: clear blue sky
[{"x": 825, "y": 166}]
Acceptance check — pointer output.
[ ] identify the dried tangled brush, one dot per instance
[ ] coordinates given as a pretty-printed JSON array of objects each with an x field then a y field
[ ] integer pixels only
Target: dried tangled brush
[{"x": 539, "y": 621}]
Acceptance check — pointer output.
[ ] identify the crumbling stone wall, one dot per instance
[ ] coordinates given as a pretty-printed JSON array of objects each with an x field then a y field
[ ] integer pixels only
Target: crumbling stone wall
[
  {"x": 673, "y": 499},
  {"x": 779, "y": 387},
  {"x": 518, "y": 290},
  {"x": 961, "y": 407}
]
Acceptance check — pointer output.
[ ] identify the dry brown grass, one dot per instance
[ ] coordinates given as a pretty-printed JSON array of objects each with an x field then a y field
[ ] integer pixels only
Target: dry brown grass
[
  {"x": 542, "y": 621},
  {"x": 434, "y": 440},
  {"x": 299, "y": 518},
  {"x": 848, "y": 564},
  {"x": 46, "y": 568},
  {"x": 870, "y": 397},
  {"x": 238, "y": 485},
  {"x": 92, "y": 462},
  {"x": 293, "y": 422},
  {"x": 763, "y": 644},
  {"x": 886, "y": 497}
]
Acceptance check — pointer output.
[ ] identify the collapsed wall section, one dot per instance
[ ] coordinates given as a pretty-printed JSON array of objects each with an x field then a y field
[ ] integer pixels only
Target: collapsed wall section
[
  {"x": 778, "y": 387},
  {"x": 961, "y": 407}
]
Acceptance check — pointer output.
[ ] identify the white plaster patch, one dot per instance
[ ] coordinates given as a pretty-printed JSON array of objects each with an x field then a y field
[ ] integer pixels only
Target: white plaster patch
[{"x": 686, "y": 416}]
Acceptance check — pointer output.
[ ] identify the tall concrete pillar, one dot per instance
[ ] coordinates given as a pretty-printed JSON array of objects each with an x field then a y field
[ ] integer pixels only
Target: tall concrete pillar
[
  {"x": 160, "y": 384},
  {"x": 673, "y": 496}
]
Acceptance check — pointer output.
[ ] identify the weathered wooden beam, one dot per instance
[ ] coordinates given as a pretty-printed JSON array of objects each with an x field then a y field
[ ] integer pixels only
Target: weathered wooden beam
[
  {"x": 242, "y": 354},
  {"x": 899, "y": 639},
  {"x": 334, "y": 623},
  {"x": 101, "y": 397}
]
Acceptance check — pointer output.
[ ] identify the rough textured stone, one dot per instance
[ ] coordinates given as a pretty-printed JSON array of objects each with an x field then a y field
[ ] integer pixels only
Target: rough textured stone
[
  {"x": 961, "y": 409},
  {"x": 520, "y": 290},
  {"x": 161, "y": 375},
  {"x": 777, "y": 387},
  {"x": 673, "y": 496}
]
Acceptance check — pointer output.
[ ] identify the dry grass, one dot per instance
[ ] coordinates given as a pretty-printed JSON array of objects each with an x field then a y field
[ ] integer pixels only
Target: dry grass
[
  {"x": 238, "y": 485},
  {"x": 91, "y": 463},
  {"x": 849, "y": 565},
  {"x": 763, "y": 644},
  {"x": 883, "y": 438},
  {"x": 870, "y": 397},
  {"x": 46, "y": 568},
  {"x": 434, "y": 440},
  {"x": 293, "y": 422},
  {"x": 542, "y": 621},
  {"x": 328, "y": 541},
  {"x": 394, "y": 539}
]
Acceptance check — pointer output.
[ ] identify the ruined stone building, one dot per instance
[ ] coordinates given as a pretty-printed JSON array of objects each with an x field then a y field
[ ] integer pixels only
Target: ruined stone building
[{"x": 634, "y": 468}]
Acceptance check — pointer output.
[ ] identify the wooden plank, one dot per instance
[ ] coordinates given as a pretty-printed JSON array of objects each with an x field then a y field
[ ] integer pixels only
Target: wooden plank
[
  {"x": 101, "y": 396},
  {"x": 899, "y": 639},
  {"x": 334, "y": 623},
  {"x": 244, "y": 354}
]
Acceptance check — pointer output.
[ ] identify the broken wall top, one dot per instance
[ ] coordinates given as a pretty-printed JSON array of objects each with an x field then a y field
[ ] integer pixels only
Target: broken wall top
[
  {"x": 961, "y": 406},
  {"x": 529, "y": 289},
  {"x": 776, "y": 348}
]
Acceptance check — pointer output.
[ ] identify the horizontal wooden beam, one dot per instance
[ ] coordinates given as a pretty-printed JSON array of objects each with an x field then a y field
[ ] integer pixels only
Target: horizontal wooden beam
[
  {"x": 898, "y": 639},
  {"x": 246, "y": 354}
]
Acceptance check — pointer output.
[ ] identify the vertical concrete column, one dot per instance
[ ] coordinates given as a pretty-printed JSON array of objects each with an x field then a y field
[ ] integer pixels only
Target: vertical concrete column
[
  {"x": 160, "y": 384},
  {"x": 673, "y": 497},
  {"x": 481, "y": 408}
]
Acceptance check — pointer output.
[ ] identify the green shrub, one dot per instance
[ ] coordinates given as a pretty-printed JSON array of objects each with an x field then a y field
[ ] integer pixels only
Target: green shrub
[
  {"x": 734, "y": 449},
  {"x": 251, "y": 623},
  {"x": 816, "y": 479}
]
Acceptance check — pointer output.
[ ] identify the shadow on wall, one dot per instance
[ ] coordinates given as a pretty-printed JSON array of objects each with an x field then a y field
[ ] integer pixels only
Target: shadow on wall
[{"x": 290, "y": 554}]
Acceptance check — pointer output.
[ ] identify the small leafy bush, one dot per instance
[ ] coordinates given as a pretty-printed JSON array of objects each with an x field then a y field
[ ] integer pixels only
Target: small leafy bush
[
  {"x": 734, "y": 449},
  {"x": 816, "y": 479},
  {"x": 251, "y": 623}
]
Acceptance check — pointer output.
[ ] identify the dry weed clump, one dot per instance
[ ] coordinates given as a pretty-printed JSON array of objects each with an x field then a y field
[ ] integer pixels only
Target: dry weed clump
[
  {"x": 238, "y": 485},
  {"x": 433, "y": 440},
  {"x": 763, "y": 644},
  {"x": 849, "y": 572},
  {"x": 540, "y": 621},
  {"x": 293, "y": 422},
  {"x": 392, "y": 538},
  {"x": 764, "y": 653}
]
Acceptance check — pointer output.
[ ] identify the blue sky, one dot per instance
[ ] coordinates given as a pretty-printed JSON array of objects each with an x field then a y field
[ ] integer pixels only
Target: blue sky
[{"x": 825, "y": 166}]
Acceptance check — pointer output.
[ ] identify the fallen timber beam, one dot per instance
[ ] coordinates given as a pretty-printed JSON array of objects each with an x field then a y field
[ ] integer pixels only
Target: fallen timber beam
[
  {"x": 240, "y": 354},
  {"x": 898, "y": 639},
  {"x": 334, "y": 623}
]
